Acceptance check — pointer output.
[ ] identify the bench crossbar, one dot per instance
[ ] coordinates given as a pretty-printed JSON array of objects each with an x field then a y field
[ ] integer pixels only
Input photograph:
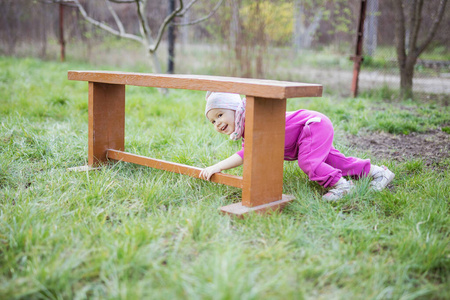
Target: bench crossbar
[{"x": 222, "y": 178}]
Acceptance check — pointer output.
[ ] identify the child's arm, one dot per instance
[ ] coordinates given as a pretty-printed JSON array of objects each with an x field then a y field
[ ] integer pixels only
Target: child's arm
[{"x": 231, "y": 162}]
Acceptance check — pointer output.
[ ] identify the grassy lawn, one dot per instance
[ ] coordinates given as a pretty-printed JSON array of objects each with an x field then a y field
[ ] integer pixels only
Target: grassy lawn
[{"x": 130, "y": 232}]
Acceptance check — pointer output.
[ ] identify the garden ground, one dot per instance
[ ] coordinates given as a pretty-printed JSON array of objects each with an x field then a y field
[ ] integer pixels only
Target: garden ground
[
  {"x": 433, "y": 146},
  {"x": 130, "y": 232}
]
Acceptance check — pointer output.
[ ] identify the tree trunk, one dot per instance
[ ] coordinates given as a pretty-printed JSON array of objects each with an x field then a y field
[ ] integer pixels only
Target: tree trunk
[
  {"x": 261, "y": 45},
  {"x": 157, "y": 69},
  {"x": 302, "y": 34},
  {"x": 235, "y": 33},
  {"x": 371, "y": 27},
  {"x": 43, "y": 30},
  {"x": 184, "y": 31},
  {"x": 407, "y": 26},
  {"x": 406, "y": 78},
  {"x": 155, "y": 62},
  {"x": 299, "y": 24},
  {"x": 171, "y": 41},
  {"x": 234, "y": 23},
  {"x": 62, "y": 43}
]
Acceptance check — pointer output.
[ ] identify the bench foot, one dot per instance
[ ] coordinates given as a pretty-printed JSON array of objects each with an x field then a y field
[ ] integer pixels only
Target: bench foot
[
  {"x": 83, "y": 169},
  {"x": 239, "y": 210}
]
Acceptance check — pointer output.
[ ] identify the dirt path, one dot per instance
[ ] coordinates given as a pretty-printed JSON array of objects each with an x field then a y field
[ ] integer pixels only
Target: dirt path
[
  {"x": 436, "y": 85},
  {"x": 341, "y": 79}
]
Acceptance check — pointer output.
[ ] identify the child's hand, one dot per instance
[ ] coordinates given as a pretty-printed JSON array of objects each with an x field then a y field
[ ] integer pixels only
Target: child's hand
[
  {"x": 208, "y": 172},
  {"x": 231, "y": 162}
]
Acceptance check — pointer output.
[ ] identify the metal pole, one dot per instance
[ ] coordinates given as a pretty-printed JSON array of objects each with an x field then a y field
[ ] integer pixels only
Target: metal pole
[{"x": 357, "y": 58}]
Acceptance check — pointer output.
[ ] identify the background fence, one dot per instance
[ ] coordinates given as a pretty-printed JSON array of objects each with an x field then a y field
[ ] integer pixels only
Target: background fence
[{"x": 291, "y": 40}]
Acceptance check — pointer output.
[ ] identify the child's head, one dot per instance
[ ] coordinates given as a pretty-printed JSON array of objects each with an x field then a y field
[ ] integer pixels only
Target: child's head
[{"x": 220, "y": 110}]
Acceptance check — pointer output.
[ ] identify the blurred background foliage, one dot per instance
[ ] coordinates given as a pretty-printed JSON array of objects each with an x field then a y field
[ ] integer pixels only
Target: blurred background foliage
[{"x": 305, "y": 40}]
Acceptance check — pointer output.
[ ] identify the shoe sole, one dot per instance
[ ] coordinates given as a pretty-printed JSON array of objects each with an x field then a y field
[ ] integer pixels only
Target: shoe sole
[{"x": 390, "y": 177}]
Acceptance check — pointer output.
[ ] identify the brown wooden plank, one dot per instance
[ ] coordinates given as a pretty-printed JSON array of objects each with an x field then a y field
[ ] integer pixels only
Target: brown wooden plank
[
  {"x": 106, "y": 120},
  {"x": 264, "y": 151},
  {"x": 244, "y": 86},
  {"x": 222, "y": 178},
  {"x": 239, "y": 210}
]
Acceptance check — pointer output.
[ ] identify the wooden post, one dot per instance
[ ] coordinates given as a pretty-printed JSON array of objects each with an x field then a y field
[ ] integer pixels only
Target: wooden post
[
  {"x": 106, "y": 120},
  {"x": 262, "y": 190},
  {"x": 263, "y": 151}
]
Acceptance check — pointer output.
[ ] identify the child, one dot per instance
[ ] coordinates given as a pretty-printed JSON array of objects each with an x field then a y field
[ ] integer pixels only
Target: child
[{"x": 309, "y": 138}]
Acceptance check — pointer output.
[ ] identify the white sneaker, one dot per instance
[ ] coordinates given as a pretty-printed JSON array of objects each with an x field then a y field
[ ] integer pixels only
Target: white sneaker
[
  {"x": 381, "y": 178},
  {"x": 339, "y": 191}
]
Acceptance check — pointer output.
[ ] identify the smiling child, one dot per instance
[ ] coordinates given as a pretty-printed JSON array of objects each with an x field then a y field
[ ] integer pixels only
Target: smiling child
[{"x": 308, "y": 139}]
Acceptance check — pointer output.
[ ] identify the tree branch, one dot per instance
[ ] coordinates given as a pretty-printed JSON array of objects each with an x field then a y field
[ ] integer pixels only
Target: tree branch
[
  {"x": 105, "y": 26},
  {"x": 64, "y": 2},
  {"x": 163, "y": 26},
  {"x": 416, "y": 20},
  {"x": 121, "y": 1},
  {"x": 116, "y": 17},
  {"x": 186, "y": 8},
  {"x": 143, "y": 28},
  {"x": 434, "y": 27},
  {"x": 201, "y": 19},
  {"x": 146, "y": 38},
  {"x": 315, "y": 23}
]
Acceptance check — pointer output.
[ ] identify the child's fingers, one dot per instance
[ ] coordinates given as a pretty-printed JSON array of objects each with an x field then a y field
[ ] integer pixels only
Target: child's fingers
[
  {"x": 204, "y": 175},
  {"x": 208, "y": 173}
]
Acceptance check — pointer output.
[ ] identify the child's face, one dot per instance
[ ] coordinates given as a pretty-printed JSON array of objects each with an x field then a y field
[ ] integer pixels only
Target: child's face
[{"x": 222, "y": 119}]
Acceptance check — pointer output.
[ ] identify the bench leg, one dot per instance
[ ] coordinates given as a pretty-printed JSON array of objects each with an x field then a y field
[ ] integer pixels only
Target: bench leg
[
  {"x": 263, "y": 157},
  {"x": 106, "y": 120}
]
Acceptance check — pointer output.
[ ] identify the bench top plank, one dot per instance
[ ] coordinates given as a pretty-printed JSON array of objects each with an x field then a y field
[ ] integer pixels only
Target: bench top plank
[{"x": 244, "y": 86}]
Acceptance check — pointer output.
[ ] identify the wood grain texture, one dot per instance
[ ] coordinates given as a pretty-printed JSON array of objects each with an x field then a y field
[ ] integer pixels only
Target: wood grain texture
[
  {"x": 244, "y": 86},
  {"x": 106, "y": 120},
  {"x": 263, "y": 151},
  {"x": 222, "y": 178}
]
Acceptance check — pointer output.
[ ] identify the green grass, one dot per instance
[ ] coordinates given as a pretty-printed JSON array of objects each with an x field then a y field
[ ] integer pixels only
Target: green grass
[{"x": 130, "y": 232}]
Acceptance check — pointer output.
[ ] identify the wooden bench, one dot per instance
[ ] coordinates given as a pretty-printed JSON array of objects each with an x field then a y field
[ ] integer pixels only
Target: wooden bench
[{"x": 262, "y": 180}]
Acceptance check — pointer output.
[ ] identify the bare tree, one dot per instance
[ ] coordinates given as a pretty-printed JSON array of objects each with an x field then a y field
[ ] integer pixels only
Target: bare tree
[
  {"x": 303, "y": 35},
  {"x": 172, "y": 36},
  {"x": 371, "y": 27},
  {"x": 147, "y": 38},
  {"x": 407, "y": 27}
]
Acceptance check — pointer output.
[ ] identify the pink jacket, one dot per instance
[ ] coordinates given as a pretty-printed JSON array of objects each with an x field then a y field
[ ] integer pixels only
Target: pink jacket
[{"x": 295, "y": 121}]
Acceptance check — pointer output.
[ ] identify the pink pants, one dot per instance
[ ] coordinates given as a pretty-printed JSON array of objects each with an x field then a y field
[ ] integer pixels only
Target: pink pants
[{"x": 321, "y": 161}]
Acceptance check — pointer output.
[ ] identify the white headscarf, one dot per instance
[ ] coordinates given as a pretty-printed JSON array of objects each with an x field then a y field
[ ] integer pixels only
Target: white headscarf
[
  {"x": 222, "y": 100},
  {"x": 228, "y": 101}
]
